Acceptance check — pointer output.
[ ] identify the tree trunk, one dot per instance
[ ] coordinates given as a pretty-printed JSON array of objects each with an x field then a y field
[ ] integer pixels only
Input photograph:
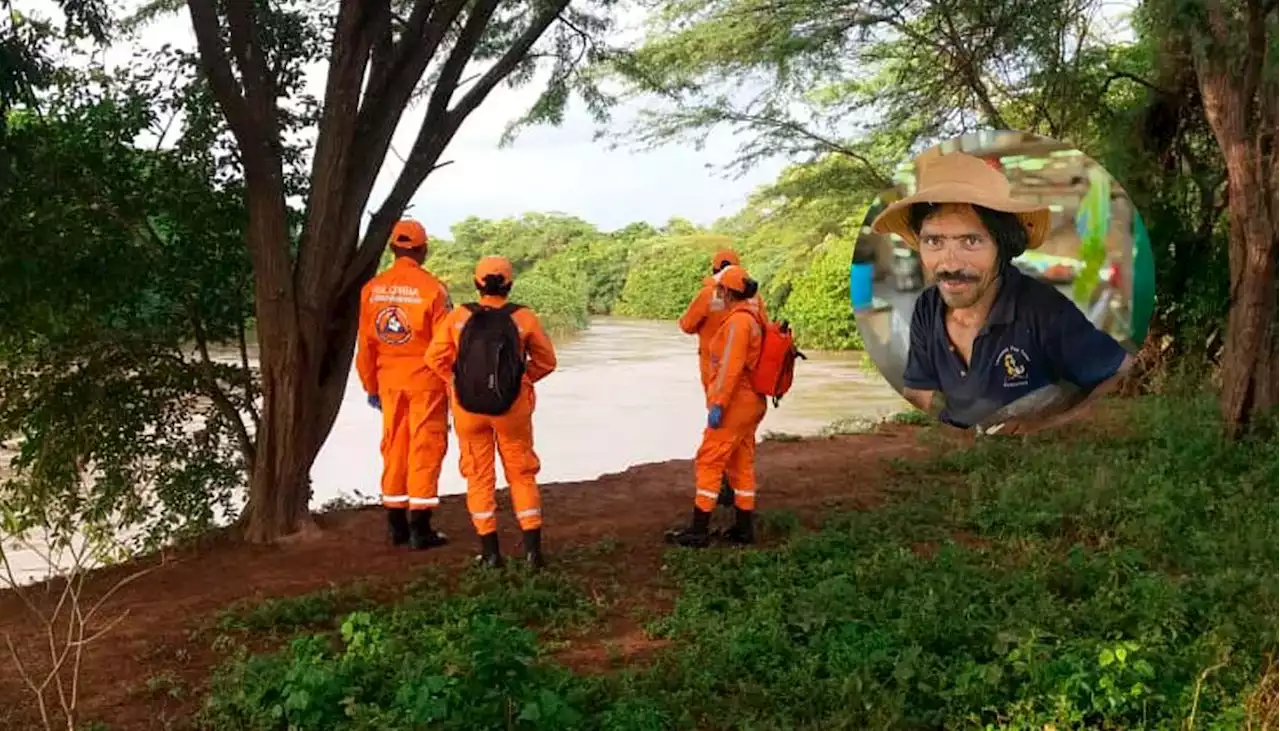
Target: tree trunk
[
  {"x": 1230, "y": 89},
  {"x": 307, "y": 309}
]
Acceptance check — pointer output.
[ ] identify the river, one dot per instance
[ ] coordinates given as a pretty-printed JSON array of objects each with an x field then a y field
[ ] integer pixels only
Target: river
[{"x": 625, "y": 392}]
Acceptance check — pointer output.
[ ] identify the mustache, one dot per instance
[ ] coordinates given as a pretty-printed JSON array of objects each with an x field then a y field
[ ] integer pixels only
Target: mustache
[{"x": 957, "y": 276}]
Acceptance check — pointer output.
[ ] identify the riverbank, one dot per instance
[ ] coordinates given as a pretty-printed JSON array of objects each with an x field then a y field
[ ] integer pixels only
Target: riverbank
[
  {"x": 189, "y": 586},
  {"x": 635, "y": 380},
  {"x": 907, "y": 578}
]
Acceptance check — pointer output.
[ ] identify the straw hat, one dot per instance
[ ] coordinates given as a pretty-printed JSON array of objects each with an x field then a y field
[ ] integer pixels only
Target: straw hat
[{"x": 960, "y": 178}]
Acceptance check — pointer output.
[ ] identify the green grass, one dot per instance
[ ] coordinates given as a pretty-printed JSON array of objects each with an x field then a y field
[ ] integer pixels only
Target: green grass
[{"x": 1113, "y": 582}]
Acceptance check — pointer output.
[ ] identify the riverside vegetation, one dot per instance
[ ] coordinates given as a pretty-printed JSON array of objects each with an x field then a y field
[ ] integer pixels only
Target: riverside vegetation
[{"x": 1123, "y": 581}]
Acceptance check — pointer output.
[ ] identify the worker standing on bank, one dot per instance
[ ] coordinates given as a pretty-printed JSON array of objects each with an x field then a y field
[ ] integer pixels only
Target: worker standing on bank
[
  {"x": 492, "y": 352},
  {"x": 734, "y": 412},
  {"x": 703, "y": 317},
  {"x": 400, "y": 310}
]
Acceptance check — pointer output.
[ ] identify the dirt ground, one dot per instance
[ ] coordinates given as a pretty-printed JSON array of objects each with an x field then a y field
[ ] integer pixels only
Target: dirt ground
[{"x": 165, "y": 606}]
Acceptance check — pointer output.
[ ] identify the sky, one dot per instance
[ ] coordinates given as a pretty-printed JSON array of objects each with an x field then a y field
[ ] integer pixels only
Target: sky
[{"x": 547, "y": 169}]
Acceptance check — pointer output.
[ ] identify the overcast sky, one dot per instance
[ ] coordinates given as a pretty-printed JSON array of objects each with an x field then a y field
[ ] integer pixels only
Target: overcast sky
[{"x": 546, "y": 169}]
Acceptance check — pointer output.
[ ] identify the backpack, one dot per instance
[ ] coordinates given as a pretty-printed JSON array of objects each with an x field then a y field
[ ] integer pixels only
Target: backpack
[
  {"x": 489, "y": 370},
  {"x": 774, "y": 371}
]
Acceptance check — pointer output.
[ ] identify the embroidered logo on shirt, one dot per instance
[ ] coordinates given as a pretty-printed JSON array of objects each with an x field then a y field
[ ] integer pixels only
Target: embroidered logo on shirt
[
  {"x": 1013, "y": 361},
  {"x": 392, "y": 326}
]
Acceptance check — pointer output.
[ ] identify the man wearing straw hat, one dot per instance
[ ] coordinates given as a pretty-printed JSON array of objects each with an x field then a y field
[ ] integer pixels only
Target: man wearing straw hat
[{"x": 984, "y": 335}]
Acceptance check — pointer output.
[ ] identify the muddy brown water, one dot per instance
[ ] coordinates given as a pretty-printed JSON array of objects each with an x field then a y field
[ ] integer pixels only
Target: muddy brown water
[{"x": 626, "y": 392}]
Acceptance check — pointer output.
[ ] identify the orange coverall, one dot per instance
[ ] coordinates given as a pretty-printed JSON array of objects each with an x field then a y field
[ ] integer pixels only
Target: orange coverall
[
  {"x": 512, "y": 432},
  {"x": 731, "y": 449},
  {"x": 704, "y": 316},
  {"x": 400, "y": 310}
]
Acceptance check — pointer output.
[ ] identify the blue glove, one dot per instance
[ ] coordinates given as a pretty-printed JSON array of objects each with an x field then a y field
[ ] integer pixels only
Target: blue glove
[
  {"x": 715, "y": 417},
  {"x": 375, "y": 401}
]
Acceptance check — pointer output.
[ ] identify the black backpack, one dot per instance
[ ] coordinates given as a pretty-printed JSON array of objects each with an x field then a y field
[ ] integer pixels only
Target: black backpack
[{"x": 489, "y": 371}]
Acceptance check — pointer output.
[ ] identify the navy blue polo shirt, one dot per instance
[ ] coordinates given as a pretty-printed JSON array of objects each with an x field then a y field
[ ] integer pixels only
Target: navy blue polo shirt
[{"x": 1034, "y": 337}]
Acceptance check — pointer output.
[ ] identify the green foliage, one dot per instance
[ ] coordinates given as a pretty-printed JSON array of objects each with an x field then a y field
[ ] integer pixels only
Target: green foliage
[
  {"x": 460, "y": 661},
  {"x": 121, "y": 267},
  {"x": 290, "y": 614},
  {"x": 561, "y": 306},
  {"x": 1116, "y": 583},
  {"x": 665, "y": 275},
  {"x": 818, "y": 308}
]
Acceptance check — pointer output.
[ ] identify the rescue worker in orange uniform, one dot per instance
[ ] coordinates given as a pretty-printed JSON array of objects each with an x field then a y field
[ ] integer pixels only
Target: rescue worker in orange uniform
[
  {"x": 468, "y": 352},
  {"x": 703, "y": 317},
  {"x": 400, "y": 310},
  {"x": 734, "y": 412}
]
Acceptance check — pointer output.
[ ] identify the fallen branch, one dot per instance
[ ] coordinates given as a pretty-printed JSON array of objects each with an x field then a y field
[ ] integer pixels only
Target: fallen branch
[{"x": 65, "y": 648}]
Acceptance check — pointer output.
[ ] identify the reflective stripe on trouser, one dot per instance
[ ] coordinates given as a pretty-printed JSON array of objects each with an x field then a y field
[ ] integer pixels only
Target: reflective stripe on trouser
[
  {"x": 510, "y": 436},
  {"x": 415, "y": 437},
  {"x": 730, "y": 451}
]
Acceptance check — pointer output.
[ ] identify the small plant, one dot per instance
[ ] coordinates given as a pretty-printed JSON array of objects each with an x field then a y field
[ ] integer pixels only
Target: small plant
[
  {"x": 289, "y": 614},
  {"x": 347, "y": 501},
  {"x": 778, "y": 523},
  {"x": 167, "y": 683},
  {"x": 912, "y": 417},
  {"x": 71, "y": 622}
]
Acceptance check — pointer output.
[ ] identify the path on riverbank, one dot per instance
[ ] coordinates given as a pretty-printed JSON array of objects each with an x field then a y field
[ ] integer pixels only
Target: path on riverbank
[{"x": 164, "y": 607}]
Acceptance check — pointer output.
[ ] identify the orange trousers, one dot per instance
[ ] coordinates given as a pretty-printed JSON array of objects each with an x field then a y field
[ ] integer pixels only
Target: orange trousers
[
  {"x": 415, "y": 437},
  {"x": 511, "y": 436},
  {"x": 730, "y": 451}
]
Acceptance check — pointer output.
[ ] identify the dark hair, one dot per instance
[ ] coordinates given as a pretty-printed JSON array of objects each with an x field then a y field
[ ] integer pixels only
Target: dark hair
[
  {"x": 1006, "y": 229},
  {"x": 494, "y": 285},
  {"x": 750, "y": 290},
  {"x": 715, "y": 268}
]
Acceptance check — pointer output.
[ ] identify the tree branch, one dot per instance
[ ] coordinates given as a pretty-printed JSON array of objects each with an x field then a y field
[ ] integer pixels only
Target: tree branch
[
  {"x": 336, "y": 152},
  {"x": 251, "y": 58},
  {"x": 217, "y": 67},
  {"x": 213, "y": 389},
  {"x": 249, "y": 389},
  {"x": 464, "y": 47},
  {"x": 795, "y": 127},
  {"x": 441, "y": 123}
]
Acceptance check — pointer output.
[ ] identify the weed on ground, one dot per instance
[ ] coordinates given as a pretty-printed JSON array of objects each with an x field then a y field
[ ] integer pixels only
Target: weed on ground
[{"x": 1117, "y": 581}]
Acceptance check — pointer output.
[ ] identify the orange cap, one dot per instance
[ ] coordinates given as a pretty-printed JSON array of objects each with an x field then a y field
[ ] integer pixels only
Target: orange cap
[
  {"x": 494, "y": 265},
  {"x": 408, "y": 234},
  {"x": 734, "y": 278},
  {"x": 725, "y": 255}
]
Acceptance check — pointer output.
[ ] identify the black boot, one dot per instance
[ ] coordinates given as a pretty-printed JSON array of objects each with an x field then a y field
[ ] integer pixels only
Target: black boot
[
  {"x": 421, "y": 535},
  {"x": 744, "y": 530},
  {"x": 490, "y": 555},
  {"x": 695, "y": 536},
  {"x": 533, "y": 548},
  {"x": 397, "y": 526},
  {"x": 726, "y": 492}
]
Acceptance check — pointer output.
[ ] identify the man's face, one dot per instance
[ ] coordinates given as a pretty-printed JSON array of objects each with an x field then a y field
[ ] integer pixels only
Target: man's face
[{"x": 958, "y": 253}]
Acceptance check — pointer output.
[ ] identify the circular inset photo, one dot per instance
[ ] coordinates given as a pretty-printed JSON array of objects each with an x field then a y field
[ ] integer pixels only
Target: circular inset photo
[{"x": 1002, "y": 280}]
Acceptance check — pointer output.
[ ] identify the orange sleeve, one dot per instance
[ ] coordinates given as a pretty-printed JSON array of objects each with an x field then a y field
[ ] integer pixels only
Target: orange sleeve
[
  {"x": 729, "y": 358},
  {"x": 764, "y": 314},
  {"x": 696, "y": 312},
  {"x": 541, "y": 353},
  {"x": 367, "y": 346},
  {"x": 443, "y": 350},
  {"x": 440, "y": 309}
]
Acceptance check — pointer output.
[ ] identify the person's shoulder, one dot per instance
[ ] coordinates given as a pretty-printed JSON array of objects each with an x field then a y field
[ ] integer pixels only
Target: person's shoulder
[
  {"x": 748, "y": 318},
  {"x": 424, "y": 279},
  {"x": 1041, "y": 298},
  {"x": 927, "y": 303},
  {"x": 379, "y": 279}
]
